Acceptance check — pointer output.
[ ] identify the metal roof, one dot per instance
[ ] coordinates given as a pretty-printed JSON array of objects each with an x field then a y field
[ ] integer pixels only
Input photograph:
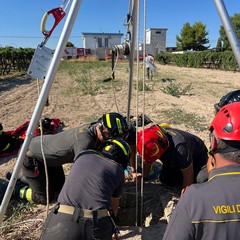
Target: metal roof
[{"x": 102, "y": 34}]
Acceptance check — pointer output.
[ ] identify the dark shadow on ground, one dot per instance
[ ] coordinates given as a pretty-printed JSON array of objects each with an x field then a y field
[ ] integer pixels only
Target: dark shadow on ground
[
  {"x": 8, "y": 83},
  {"x": 154, "y": 199},
  {"x": 7, "y": 159}
]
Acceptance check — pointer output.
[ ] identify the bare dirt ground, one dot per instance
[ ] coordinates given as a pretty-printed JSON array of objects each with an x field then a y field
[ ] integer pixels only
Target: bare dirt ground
[{"x": 19, "y": 95}]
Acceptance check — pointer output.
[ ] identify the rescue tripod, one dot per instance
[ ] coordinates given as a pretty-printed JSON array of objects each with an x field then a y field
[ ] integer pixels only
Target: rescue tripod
[{"x": 53, "y": 65}]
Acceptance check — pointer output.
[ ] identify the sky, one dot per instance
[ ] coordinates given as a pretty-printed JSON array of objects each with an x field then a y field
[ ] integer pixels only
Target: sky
[{"x": 21, "y": 20}]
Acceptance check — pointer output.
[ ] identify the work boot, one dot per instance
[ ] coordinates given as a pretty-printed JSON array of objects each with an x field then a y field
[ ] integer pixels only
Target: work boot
[
  {"x": 3, "y": 188},
  {"x": 21, "y": 178},
  {"x": 21, "y": 191}
]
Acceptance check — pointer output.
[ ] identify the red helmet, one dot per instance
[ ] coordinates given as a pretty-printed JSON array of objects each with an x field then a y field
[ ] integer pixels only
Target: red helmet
[
  {"x": 226, "y": 123},
  {"x": 155, "y": 143}
]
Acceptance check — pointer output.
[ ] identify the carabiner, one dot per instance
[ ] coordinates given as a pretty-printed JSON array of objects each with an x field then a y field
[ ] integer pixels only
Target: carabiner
[{"x": 58, "y": 14}]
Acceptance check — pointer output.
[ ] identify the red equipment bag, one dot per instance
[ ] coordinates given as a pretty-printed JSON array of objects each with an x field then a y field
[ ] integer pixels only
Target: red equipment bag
[{"x": 11, "y": 141}]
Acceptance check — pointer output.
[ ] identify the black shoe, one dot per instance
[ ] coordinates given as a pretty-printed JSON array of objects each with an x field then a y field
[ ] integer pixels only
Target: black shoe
[
  {"x": 16, "y": 192},
  {"x": 21, "y": 178},
  {"x": 3, "y": 188}
]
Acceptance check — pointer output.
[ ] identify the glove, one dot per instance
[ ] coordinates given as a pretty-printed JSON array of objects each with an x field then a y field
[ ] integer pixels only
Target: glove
[{"x": 127, "y": 175}]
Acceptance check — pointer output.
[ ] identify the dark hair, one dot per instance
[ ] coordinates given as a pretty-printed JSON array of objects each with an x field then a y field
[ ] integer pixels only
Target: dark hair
[{"x": 229, "y": 150}]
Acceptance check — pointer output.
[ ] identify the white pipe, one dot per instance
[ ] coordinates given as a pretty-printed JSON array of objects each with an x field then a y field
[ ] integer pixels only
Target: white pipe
[
  {"x": 227, "y": 24},
  {"x": 132, "y": 54},
  {"x": 41, "y": 101},
  {"x": 137, "y": 91}
]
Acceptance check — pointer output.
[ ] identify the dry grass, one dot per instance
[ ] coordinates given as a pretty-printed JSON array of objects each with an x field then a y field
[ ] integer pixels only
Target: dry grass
[
  {"x": 80, "y": 96},
  {"x": 88, "y": 59}
]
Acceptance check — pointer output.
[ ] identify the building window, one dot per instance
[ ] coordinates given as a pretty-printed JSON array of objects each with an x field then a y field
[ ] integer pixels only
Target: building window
[
  {"x": 106, "y": 42},
  {"x": 158, "y": 32},
  {"x": 99, "y": 42}
]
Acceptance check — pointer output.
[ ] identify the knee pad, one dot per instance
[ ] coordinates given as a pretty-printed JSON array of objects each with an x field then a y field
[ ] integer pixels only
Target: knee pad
[{"x": 29, "y": 163}]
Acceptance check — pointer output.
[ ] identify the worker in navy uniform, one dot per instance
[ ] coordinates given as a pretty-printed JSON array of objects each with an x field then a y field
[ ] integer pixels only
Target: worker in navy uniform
[
  {"x": 59, "y": 149},
  {"x": 230, "y": 97},
  {"x": 211, "y": 210},
  {"x": 183, "y": 155},
  {"x": 90, "y": 195}
]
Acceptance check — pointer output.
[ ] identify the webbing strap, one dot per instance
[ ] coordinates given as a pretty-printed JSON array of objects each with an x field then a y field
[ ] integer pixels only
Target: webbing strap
[{"x": 8, "y": 145}]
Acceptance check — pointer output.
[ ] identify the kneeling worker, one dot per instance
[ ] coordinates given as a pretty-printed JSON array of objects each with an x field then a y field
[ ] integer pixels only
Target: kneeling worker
[
  {"x": 91, "y": 191},
  {"x": 183, "y": 155},
  {"x": 63, "y": 148}
]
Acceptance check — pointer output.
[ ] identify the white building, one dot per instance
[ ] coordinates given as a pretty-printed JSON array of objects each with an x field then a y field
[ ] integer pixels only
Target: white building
[
  {"x": 156, "y": 40},
  {"x": 101, "y": 43}
]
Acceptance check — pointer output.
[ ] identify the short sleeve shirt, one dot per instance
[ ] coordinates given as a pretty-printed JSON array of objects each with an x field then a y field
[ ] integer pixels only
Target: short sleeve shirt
[
  {"x": 184, "y": 148},
  {"x": 92, "y": 182}
]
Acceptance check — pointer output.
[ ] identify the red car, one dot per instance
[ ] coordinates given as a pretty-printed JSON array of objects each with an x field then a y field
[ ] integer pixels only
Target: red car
[{"x": 109, "y": 56}]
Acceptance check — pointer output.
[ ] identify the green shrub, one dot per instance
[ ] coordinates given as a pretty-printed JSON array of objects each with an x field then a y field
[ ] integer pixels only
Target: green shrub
[
  {"x": 177, "y": 116},
  {"x": 202, "y": 59},
  {"x": 176, "y": 90}
]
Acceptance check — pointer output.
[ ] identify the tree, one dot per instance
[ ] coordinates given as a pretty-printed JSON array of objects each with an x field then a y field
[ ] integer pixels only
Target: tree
[
  {"x": 200, "y": 36},
  {"x": 236, "y": 25},
  {"x": 183, "y": 42},
  {"x": 219, "y": 44},
  {"x": 193, "y": 37},
  {"x": 69, "y": 44}
]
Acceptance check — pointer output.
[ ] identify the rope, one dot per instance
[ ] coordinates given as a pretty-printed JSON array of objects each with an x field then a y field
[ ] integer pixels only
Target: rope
[
  {"x": 114, "y": 92},
  {"x": 44, "y": 159}
]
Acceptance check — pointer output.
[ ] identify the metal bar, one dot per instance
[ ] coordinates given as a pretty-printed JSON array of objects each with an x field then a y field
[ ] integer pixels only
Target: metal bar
[
  {"x": 137, "y": 92},
  {"x": 143, "y": 106},
  {"x": 41, "y": 101},
  {"x": 113, "y": 64},
  {"x": 228, "y": 27},
  {"x": 132, "y": 54}
]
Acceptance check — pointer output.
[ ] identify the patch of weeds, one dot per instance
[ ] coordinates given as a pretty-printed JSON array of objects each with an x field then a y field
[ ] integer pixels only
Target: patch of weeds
[
  {"x": 176, "y": 90},
  {"x": 92, "y": 119},
  {"x": 23, "y": 224},
  {"x": 177, "y": 116},
  {"x": 89, "y": 77},
  {"x": 70, "y": 90},
  {"x": 117, "y": 84},
  {"x": 167, "y": 80},
  {"x": 20, "y": 211},
  {"x": 87, "y": 86},
  {"x": 140, "y": 86},
  {"x": 86, "y": 82}
]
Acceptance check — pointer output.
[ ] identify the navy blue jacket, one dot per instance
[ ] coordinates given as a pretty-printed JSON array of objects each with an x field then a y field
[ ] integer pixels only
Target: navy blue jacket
[{"x": 209, "y": 210}]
